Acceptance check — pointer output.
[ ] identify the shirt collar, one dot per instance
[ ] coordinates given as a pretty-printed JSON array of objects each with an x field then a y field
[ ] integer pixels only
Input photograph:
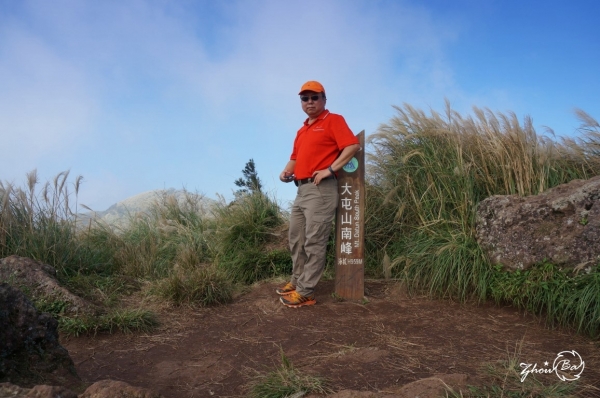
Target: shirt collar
[{"x": 321, "y": 116}]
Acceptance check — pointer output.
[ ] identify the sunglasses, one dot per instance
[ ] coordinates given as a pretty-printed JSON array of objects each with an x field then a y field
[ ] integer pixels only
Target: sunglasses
[{"x": 305, "y": 98}]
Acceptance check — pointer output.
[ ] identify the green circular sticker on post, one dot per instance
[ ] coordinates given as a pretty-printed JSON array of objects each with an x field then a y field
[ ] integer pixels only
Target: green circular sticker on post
[{"x": 351, "y": 166}]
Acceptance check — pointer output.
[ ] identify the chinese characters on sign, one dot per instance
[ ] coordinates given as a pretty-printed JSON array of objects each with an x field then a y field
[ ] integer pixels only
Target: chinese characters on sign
[{"x": 350, "y": 223}]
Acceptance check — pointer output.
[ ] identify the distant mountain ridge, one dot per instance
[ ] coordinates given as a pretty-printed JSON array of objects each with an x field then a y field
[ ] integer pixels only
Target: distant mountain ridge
[{"x": 118, "y": 214}]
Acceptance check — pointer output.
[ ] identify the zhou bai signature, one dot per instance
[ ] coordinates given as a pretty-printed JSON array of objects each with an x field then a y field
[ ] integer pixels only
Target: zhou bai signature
[{"x": 568, "y": 366}]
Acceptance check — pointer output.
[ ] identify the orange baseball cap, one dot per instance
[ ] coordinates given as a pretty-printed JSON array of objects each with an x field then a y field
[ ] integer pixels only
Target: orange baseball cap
[{"x": 312, "y": 86}]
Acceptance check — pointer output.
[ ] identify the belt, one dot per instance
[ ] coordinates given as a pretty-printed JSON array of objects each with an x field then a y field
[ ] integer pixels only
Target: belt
[{"x": 307, "y": 180}]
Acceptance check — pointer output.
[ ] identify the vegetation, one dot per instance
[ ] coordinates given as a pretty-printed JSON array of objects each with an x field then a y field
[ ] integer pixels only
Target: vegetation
[
  {"x": 286, "y": 381},
  {"x": 244, "y": 231},
  {"x": 41, "y": 226},
  {"x": 250, "y": 183},
  {"x": 425, "y": 177},
  {"x": 179, "y": 251},
  {"x": 126, "y": 321},
  {"x": 566, "y": 297},
  {"x": 203, "y": 286},
  {"x": 503, "y": 379}
]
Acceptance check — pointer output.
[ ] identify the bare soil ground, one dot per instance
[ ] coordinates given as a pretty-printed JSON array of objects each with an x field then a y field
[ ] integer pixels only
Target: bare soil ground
[{"x": 390, "y": 341}]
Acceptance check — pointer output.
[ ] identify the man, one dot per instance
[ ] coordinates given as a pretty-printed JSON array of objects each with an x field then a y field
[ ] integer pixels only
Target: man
[{"x": 323, "y": 145}]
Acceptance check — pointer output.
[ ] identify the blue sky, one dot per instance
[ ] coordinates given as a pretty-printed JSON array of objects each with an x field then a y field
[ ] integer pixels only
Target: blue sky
[{"x": 136, "y": 95}]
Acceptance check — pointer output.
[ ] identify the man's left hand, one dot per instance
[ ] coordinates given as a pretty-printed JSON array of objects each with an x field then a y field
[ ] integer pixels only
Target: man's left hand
[{"x": 319, "y": 175}]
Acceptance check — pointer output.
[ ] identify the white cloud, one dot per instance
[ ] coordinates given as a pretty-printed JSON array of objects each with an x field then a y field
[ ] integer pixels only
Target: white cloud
[{"x": 44, "y": 106}]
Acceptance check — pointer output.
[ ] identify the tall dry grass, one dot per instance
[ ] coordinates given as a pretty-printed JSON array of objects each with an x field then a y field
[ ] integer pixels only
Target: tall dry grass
[
  {"x": 426, "y": 175},
  {"x": 191, "y": 254},
  {"x": 39, "y": 223}
]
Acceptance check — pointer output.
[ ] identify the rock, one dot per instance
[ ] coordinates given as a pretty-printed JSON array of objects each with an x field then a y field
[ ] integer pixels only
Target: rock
[
  {"x": 100, "y": 389},
  {"x": 431, "y": 387},
  {"x": 561, "y": 226},
  {"x": 353, "y": 394},
  {"x": 11, "y": 390},
  {"x": 38, "y": 280},
  {"x": 113, "y": 388},
  {"x": 29, "y": 348},
  {"x": 41, "y": 391}
]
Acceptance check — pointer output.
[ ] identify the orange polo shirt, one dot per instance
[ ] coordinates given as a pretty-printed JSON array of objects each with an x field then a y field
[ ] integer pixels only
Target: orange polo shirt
[{"x": 318, "y": 145}]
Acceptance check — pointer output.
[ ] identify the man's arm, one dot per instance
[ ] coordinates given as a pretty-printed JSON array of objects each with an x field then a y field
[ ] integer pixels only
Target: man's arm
[
  {"x": 288, "y": 171},
  {"x": 340, "y": 162}
]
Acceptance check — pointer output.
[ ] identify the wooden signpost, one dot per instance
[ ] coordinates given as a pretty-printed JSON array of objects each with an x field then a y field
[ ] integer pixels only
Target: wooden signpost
[{"x": 350, "y": 227}]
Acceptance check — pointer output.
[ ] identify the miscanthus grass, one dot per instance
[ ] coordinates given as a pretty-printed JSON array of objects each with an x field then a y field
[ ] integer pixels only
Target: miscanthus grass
[
  {"x": 39, "y": 222},
  {"x": 172, "y": 233},
  {"x": 425, "y": 177}
]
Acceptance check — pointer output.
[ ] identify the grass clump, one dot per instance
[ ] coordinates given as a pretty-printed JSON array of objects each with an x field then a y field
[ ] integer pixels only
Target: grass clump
[
  {"x": 248, "y": 239},
  {"x": 126, "y": 321},
  {"x": 286, "y": 381},
  {"x": 105, "y": 289},
  {"x": 172, "y": 233},
  {"x": 566, "y": 297},
  {"x": 204, "y": 286},
  {"x": 446, "y": 263},
  {"x": 56, "y": 308}
]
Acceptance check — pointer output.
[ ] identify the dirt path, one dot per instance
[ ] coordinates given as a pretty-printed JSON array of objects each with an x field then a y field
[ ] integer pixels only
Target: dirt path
[{"x": 388, "y": 342}]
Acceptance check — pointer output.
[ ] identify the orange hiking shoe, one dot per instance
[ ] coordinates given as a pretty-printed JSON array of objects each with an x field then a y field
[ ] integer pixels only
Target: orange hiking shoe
[
  {"x": 285, "y": 290},
  {"x": 295, "y": 300}
]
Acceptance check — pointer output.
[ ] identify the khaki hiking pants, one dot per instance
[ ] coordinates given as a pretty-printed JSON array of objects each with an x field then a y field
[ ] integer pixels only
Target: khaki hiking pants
[{"x": 310, "y": 226}]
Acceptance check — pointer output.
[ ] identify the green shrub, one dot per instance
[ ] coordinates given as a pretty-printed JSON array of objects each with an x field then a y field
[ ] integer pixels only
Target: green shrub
[
  {"x": 252, "y": 264},
  {"x": 204, "y": 286},
  {"x": 247, "y": 236},
  {"x": 250, "y": 220}
]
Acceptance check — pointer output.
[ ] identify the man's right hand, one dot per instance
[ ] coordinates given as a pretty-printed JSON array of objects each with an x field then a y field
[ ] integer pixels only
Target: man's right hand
[{"x": 286, "y": 176}]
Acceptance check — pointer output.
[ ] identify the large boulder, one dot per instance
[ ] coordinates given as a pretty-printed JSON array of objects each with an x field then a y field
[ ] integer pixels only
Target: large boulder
[
  {"x": 431, "y": 387},
  {"x": 561, "y": 226},
  {"x": 115, "y": 388},
  {"x": 100, "y": 389},
  {"x": 29, "y": 349},
  {"x": 41, "y": 391},
  {"x": 38, "y": 281}
]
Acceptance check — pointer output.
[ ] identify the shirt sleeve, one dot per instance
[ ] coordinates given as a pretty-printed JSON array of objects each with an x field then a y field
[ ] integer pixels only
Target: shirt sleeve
[{"x": 343, "y": 135}]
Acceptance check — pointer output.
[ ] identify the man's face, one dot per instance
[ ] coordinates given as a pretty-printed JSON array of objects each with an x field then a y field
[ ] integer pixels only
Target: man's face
[{"x": 314, "y": 105}]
